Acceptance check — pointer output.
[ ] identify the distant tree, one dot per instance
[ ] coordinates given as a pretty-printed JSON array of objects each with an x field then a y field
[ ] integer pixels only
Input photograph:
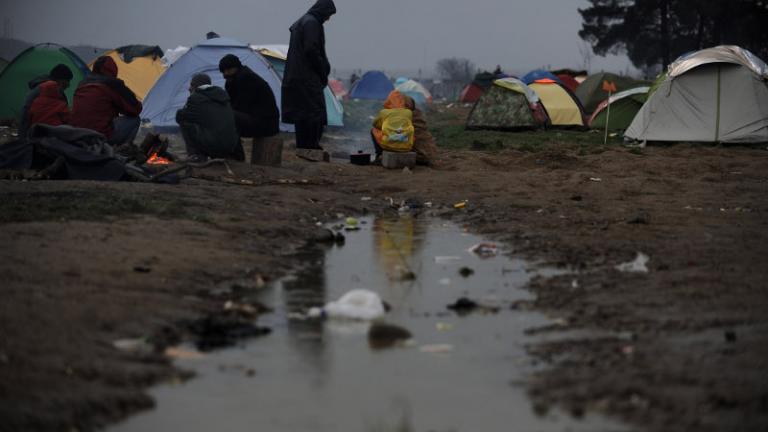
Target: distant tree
[
  {"x": 456, "y": 69},
  {"x": 654, "y": 32}
]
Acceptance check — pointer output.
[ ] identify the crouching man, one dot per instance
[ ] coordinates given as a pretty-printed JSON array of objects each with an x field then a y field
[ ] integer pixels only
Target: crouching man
[{"x": 207, "y": 123}]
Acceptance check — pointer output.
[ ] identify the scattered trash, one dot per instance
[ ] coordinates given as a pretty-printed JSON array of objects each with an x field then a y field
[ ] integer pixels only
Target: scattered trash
[
  {"x": 484, "y": 250},
  {"x": 595, "y": 179},
  {"x": 407, "y": 170},
  {"x": 366, "y": 198},
  {"x": 460, "y": 205},
  {"x": 182, "y": 354},
  {"x": 636, "y": 266},
  {"x": 382, "y": 335},
  {"x": 628, "y": 350},
  {"x": 219, "y": 330},
  {"x": 436, "y": 348},
  {"x": 142, "y": 269},
  {"x": 351, "y": 224},
  {"x": 358, "y": 304},
  {"x": 464, "y": 306},
  {"x": 575, "y": 284},
  {"x": 639, "y": 219},
  {"x": 576, "y": 198},
  {"x": 139, "y": 345},
  {"x": 441, "y": 326},
  {"x": 446, "y": 259},
  {"x": 730, "y": 336},
  {"x": 246, "y": 310},
  {"x": 466, "y": 272}
]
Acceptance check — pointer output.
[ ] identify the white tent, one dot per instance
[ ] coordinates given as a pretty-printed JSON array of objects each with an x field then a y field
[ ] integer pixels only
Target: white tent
[{"x": 715, "y": 95}]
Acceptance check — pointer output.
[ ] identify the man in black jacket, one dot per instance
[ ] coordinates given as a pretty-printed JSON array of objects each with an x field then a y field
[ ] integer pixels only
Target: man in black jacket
[
  {"x": 207, "y": 122},
  {"x": 306, "y": 75},
  {"x": 256, "y": 113}
]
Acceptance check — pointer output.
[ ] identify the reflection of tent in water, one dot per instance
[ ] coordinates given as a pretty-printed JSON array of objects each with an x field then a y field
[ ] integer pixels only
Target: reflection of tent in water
[
  {"x": 397, "y": 241},
  {"x": 171, "y": 91},
  {"x": 276, "y": 55},
  {"x": 508, "y": 105},
  {"x": 139, "y": 66},
  {"x": 624, "y": 107},
  {"x": 30, "y": 64},
  {"x": 718, "y": 94}
]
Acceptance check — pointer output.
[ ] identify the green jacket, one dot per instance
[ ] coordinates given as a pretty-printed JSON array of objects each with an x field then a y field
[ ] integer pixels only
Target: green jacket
[{"x": 208, "y": 121}]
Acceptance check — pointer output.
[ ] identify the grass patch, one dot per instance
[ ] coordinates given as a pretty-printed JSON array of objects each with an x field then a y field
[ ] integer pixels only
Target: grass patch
[{"x": 89, "y": 206}]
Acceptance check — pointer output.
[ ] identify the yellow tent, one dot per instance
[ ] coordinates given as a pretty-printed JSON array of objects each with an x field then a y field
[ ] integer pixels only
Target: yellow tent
[
  {"x": 563, "y": 110},
  {"x": 140, "y": 74}
]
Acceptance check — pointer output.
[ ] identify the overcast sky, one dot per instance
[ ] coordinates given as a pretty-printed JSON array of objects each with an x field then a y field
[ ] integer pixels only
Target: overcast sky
[{"x": 392, "y": 35}]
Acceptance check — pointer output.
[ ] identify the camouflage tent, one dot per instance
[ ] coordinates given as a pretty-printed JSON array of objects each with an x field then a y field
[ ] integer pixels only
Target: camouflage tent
[{"x": 507, "y": 105}]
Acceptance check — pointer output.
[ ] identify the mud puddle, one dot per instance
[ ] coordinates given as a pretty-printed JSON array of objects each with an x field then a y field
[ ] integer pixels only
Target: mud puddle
[{"x": 460, "y": 372}]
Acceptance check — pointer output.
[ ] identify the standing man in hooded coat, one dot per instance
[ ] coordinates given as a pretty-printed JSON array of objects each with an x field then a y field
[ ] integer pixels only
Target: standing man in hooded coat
[{"x": 306, "y": 75}]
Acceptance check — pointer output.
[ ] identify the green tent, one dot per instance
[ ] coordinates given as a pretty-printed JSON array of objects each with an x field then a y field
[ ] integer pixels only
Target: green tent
[
  {"x": 591, "y": 92},
  {"x": 506, "y": 105},
  {"x": 3, "y": 64},
  {"x": 624, "y": 107},
  {"x": 30, "y": 64}
]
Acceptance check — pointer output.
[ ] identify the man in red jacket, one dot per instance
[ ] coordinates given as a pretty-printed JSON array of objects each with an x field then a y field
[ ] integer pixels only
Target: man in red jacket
[{"x": 103, "y": 103}]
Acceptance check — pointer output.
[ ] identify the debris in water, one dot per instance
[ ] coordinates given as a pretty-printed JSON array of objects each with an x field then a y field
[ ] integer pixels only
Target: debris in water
[
  {"x": 484, "y": 250},
  {"x": 245, "y": 309},
  {"x": 220, "y": 330},
  {"x": 358, "y": 304},
  {"x": 382, "y": 335},
  {"x": 324, "y": 235},
  {"x": 595, "y": 179},
  {"x": 436, "y": 348},
  {"x": 460, "y": 205},
  {"x": 636, "y": 266},
  {"x": 464, "y": 306},
  {"x": 446, "y": 259},
  {"x": 441, "y": 326},
  {"x": 183, "y": 354},
  {"x": 466, "y": 272},
  {"x": 351, "y": 224}
]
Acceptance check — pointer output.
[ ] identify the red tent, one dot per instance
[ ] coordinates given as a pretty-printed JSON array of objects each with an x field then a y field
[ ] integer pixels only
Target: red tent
[
  {"x": 569, "y": 81},
  {"x": 338, "y": 88},
  {"x": 471, "y": 93}
]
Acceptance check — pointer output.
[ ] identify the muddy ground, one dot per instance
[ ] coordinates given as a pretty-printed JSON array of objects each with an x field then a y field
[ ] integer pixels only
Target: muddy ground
[{"x": 84, "y": 264}]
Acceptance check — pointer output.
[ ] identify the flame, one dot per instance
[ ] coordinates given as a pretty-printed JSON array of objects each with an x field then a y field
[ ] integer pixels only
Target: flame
[{"x": 156, "y": 159}]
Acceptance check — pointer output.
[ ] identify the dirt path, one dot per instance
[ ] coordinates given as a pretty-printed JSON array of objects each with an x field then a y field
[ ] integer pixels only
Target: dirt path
[{"x": 85, "y": 264}]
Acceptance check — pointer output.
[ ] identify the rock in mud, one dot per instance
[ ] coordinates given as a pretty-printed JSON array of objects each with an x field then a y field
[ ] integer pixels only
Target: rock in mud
[
  {"x": 323, "y": 235},
  {"x": 383, "y": 335},
  {"x": 466, "y": 272},
  {"x": 221, "y": 330},
  {"x": 464, "y": 306}
]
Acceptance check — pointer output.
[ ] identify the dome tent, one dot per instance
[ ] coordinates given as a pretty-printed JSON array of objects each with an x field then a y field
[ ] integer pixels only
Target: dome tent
[
  {"x": 561, "y": 105},
  {"x": 508, "y": 104},
  {"x": 30, "y": 64},
  {"x": 170, "y": 93},
  {"x": 373, "y": 85},
  {"x": 624, "y": 107},
  {"x": 717, "y": 94},
  {"x": 591, "y": 93},
  {"x": 138, "y": 66}
]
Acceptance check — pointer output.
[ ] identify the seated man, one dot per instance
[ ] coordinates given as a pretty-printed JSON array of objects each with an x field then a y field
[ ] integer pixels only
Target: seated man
[
  {"x": 422, "y": 142},
  {"x": 256, "y": 113},
  {"x": 103, "y": 103},
  {"x": 207, "y": 123},
  {"x": 52, "y": 108}
]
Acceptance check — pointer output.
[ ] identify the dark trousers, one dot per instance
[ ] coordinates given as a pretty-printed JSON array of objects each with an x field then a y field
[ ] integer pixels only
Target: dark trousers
[
  {"x": 247, "y": 126},
  {"x": 196, "y": 147},
  {"x": 125, "y": 130},
  {"x": 308, "y": 134}
]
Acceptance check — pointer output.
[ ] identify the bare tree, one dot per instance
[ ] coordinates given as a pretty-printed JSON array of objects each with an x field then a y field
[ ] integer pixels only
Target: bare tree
[
  {"x": 585, "y": 49},
  {"x": 456, "y": 69}
]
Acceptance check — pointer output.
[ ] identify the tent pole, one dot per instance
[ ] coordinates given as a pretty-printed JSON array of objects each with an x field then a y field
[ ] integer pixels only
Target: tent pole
[
  {"x": 717, "y": 120},
  {"x": 607, "y": 119}
]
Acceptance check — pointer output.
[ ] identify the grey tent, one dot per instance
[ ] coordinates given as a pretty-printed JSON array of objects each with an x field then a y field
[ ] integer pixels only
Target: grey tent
[{"x": 718, "y": 94}]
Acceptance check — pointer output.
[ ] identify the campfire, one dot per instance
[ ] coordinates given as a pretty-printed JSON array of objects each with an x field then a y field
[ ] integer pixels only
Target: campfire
[{"x": 155, "y": 149}]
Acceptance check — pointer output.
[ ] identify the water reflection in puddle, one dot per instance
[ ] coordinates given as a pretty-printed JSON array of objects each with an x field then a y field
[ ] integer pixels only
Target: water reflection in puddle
[{"x": 315, "y": 376}]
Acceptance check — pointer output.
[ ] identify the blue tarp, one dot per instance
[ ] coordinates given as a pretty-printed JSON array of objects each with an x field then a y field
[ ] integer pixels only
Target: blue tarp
[
  {"x": 539, "y": 74},
  {"x": 373, "y": 85},
  {"x": 171, "y": 91}
]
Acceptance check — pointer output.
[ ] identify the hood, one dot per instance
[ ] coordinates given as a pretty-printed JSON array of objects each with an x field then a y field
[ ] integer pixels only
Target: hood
[
  {"x": 214, "y": 93},
  {"x": 323, "y": 10},
  {"x": 50, "y": 89}
]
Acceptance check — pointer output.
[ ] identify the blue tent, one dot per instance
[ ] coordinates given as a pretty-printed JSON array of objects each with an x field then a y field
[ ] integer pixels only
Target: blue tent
[
  {"x": 539, "y": 74},
  {"x": 171, "y": 91},
  {"x": 373, "y": 85},
  {"x": 332, "y": 105}
]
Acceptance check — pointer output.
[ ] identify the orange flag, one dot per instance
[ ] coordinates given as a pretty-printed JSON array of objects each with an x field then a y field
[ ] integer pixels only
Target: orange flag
[{"x": 609, "y": 86}]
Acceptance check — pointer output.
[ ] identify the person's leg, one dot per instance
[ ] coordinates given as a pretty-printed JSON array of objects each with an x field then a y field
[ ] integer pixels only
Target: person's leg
[
  {"x": 125, "y": 130},
  {"x": 244, "y": 124},
  {"x": 376, "y": 147},
  {"x": 193, "y": 149},
  {"x": 238, "y": 153}
]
